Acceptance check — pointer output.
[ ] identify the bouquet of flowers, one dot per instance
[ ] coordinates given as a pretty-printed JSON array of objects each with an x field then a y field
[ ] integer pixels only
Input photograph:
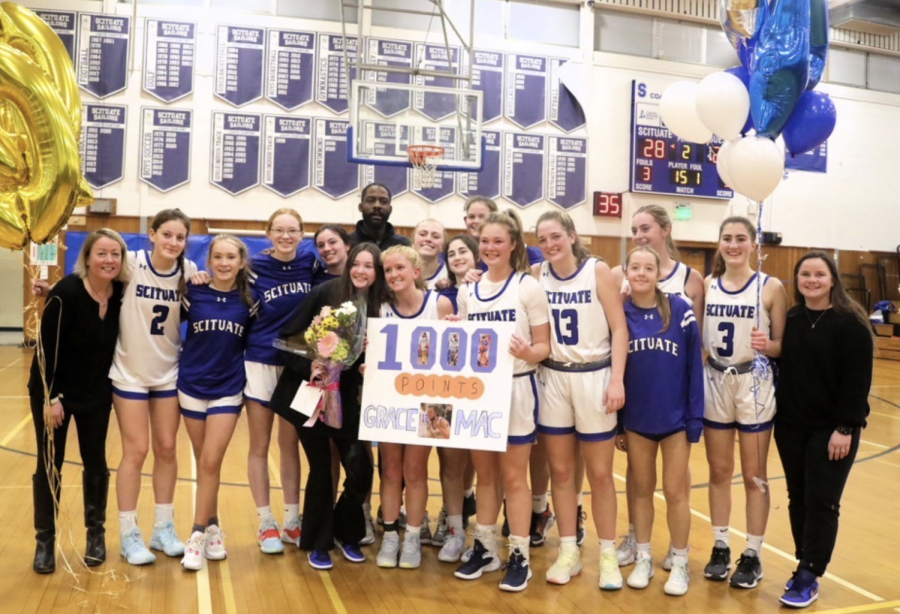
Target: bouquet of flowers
[{"x": 333, "y": 342}]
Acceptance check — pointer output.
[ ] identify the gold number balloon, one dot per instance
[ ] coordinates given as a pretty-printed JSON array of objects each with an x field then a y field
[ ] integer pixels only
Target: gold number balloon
[{"x": 40, "y": 121}]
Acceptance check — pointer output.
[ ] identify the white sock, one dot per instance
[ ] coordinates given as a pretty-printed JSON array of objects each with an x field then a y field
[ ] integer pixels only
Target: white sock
[
  {"x": 487, "y": 535},
  {"x": 721, "y": 534},
  {"x": 522, "y": 543},
  {"x": 469, "y": 492},
  {"x": 568, "y": 543},
  {"x": 631, "y": 530},
  {"x": 414, "y": 531},
  {"x": 607, "y": 544},
  {"x": 755, "y": 542},
  {"x": 644, "y": 549},
  {"x": 291, "y": 512},
  {"x": 165, "y": 512},
  {"x": 539, "y": 503},
  {"x": 580, "y": 499},
  {"x": 455, "y": 522},
  {"x": 680, "y": 556},
  {"x": 265, "y": 514},
  {"x": 127, "y": 521}
]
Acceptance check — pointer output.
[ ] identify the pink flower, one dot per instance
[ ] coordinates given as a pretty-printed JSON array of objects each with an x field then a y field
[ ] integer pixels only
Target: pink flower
[
  {"x": 326, "y": 311},
  {"x": 316, "y": 321},
  {"x": 328, "y": 344}
]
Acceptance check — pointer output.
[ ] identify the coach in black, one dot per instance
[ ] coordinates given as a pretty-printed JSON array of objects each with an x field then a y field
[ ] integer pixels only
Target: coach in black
[{"x": 375, "y": 206}]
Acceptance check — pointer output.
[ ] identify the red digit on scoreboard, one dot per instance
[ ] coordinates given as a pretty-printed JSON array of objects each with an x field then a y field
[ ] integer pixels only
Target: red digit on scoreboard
[{"x": 608, "y": 204}]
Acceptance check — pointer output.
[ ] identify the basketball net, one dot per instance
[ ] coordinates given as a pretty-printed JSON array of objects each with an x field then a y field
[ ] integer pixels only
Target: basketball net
[{"x": 424, "y": 160}]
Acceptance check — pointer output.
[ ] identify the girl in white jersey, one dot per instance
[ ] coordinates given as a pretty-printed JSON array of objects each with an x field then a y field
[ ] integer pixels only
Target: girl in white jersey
[
  {"x": 507, "y": 287},
  {"x": 651, "y": 226},
  {"x": 428, "y": 241},
  {"x": 729, "y": 320},
  {"x": 583, "y": 389},
  {"x": 144, "y": 375},
  {"x": 405, "y": 464}
]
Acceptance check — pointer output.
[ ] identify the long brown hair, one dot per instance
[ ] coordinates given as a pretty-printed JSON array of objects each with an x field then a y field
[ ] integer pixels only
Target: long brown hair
[
  {"x": 661, "y": 216},
  {"x": 565, "y": 221},
  {"x": 375, "y": 295},
  {"x": 510, "y": 220},
  {"x": 169, "y": 215},
  {"x": 81, "y": 267},
  {"x": 662, "y": 299},
  {"x": 484, "y": 200},
  {"x": 719, "y": 262},
  {"x": 840, "y": 300},
  {"x": 471, "y": 242},
  {"x": 242, "y": 280}
]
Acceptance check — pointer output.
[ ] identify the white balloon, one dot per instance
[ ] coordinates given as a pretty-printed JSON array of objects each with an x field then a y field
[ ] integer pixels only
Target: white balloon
[
  {"x": 756, "y": 165},
  {"x": 722, "y": 160},
  {"x": 723, "y": 104},
  {"x": 678, "y": 109}
]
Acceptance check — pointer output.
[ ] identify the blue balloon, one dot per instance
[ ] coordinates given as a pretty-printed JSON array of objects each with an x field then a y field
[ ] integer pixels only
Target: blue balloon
[
  {"x": 780, "y": 69},
  {"x": 746, "y": 47},
  {"x": 744, "y": 75},
  {"x": 818, "y": 40},
  {"x": 811, "y": 123}
]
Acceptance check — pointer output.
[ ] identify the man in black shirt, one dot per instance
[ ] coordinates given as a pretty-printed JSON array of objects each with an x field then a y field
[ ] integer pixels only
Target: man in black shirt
[{"x": 375, "y": 206}]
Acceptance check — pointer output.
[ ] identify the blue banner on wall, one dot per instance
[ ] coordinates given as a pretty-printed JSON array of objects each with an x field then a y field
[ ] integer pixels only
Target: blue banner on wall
[
  {"x": 234, "y": 159},
  {"x": 431, "y": 104},
  {"x": 165, "y": 147},
  {"x": 65, "y": 24},
  {"x": 169, "y": 59},
  {"x": 287, "y": 150},
  {"x": 103, "y": 144},
  {"x": 523, "y": 162},
  {"x": 487, "y": 76},
  {"x": 332, "y": 87},
  {"x": 815, "y": 161},
  {"x": 566, "y": 171},
  {"x": 565, "y": 111},
  {"x": 291, "y": 68},
  {"x": 333, "y": 175},
  {"x": 389, "y": 53},
  {"x": 485, "y": 182},
  {"x": 526, "y": 89},
  {"x": 103, "y": 42},
  {"x": 239, "y": 64}
]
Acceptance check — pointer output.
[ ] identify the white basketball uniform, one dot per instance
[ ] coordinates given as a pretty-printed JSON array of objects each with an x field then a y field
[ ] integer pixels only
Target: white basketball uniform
[
  {"x": 439, "y": 275},
  {"x": 728, "y": 319},
  {"x": 428, "y": 311},
  {"x": 572, "y": 399},
  {"x": 146, "y": 360},
  {"x": 518, "y": 298}
]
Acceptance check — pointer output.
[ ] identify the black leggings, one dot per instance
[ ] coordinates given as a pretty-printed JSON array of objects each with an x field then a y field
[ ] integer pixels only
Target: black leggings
[
  {"x": 815, "y": 485},
  {"x": 92, "y": 426}
]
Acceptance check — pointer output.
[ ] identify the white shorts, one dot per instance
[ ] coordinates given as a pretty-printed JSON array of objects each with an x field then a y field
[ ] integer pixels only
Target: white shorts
[
  {"x": 200, "y": 408},
  {"x": 524, "y": 409},
  {"x": 572, "y": 403},
  {"x": 730, "y": 403},
  {"x": 261, "y": 381},
  {"x": 144, "y": 393}
]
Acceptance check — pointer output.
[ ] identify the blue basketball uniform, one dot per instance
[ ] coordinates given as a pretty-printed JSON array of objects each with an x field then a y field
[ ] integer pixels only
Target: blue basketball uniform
[{"x": 452, "y": 293}]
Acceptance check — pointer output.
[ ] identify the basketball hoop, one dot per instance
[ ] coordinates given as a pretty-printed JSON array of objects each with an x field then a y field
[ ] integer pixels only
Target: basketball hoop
[{"x": 424, "y": 160}]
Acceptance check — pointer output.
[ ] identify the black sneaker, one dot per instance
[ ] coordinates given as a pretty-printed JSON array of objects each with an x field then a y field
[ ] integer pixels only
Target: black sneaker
[
  {"x": 748, "y": 572},
  {"x": 719, "y": 563},
  {"x": 480, "y": 562},
  {"x": 518, "y": 573},
  {"x": 580, "y": 532},
  {"x": 540, "y": 524}
]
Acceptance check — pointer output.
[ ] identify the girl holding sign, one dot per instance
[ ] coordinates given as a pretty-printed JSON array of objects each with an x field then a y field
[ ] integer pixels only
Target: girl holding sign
[
  {"x": 583, "y": 389},
  {"x": 405, "y": 464},
  {"x": 508, "y": 292}
]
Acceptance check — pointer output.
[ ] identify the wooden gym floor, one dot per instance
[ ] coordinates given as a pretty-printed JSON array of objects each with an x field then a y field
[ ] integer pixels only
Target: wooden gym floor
[{"x": 864, "y": 575}]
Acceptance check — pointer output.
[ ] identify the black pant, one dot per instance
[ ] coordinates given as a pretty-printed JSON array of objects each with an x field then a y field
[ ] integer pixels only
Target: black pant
[
  {"x": 92, "y": 425},
  {"x": 815, "y": 485},
  {"x": 322, "y": 523}
]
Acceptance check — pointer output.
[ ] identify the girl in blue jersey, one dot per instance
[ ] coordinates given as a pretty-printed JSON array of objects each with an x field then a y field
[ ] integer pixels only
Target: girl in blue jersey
[
  {"x": 429, "y": 238},
  {"x": 734, "y": 399},
  {"x": 583, "y": 390},
  {"x": 665, "y": 347},
  {"x": 333, "y": 244},
  {"x": 282, "y": 278},
  {"x": 144, "y": 375},
  {"x": 211, "y": 382}
]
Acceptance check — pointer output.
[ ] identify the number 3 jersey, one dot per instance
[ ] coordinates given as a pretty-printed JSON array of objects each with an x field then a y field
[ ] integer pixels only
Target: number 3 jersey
[
  {"x": 149, "y": 336},
  {"x": 728, "y": 320},
  {"x": 579, "y": 331}
]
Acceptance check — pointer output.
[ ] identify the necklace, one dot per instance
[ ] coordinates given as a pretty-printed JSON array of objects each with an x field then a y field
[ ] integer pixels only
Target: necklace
[
  {"x": 95, "y": 294},
  {"x": 808, "y": 317}
]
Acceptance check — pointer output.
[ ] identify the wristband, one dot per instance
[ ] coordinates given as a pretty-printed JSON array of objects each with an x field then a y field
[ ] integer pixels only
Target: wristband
[{"x": 843, "y": 429}]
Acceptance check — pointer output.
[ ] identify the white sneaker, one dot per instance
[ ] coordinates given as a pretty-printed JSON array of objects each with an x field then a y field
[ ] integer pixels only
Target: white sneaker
[
  {"x": 215, "y": 543},
  {"x": 411, "y": 555},
  {"x": 679, "y": 579},
  {"x": 193, "y": 552},
  {"x": 290, "y": 534},
  {"x": 369, "y": 539},
  {"x": 667, "y": 562},
  {"x": 165, "y": 539},
  {"x": 390, "y": 548},
  {"x": 453, "y": 548},
  {"x": 568, "y": 564},
  {"x": 610, "y": 576},
  {"x": 627, "y": 550},
  {"x": 643, "y": 571}
]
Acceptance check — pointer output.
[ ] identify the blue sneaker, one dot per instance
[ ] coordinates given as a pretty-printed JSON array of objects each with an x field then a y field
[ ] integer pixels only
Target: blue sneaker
[
  {"x": 804, "y": 590},
  {"x": 479, "y": 562},
  {"x": 319, "y": 559},
  {"x": 166, "y": 540},
  {"x": 351, "y": 552},
  {"x": 518, "y": 573},
  {"x": 133, "y": 549}
]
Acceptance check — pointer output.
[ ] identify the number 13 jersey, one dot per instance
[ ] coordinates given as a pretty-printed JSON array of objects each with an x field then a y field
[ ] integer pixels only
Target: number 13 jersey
[
  {"x": 579, "y": 331},
  {"x": 729, "y": 318}
]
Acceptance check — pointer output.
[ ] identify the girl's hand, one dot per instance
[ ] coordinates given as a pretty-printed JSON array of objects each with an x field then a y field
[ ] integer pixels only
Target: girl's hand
[
  {"x": 452, "y": 317},
  {"x": 40, "y": 287},
  {"x": 519, "y": 348},
  {"x": 442, "y": 284},
  {"x": 614, "y": 398},
  {"x": 621, "y": 444},
  {"x": 362, "y": 369},
  {"x": 54, "y": 414},
  {"x": 625, "y": 290},
  {"x": 200, "y": 278},
  {"x": 839, "y": 446},
  {"x": 759, "y": 340},
  {"x": 473, "y": 275}
]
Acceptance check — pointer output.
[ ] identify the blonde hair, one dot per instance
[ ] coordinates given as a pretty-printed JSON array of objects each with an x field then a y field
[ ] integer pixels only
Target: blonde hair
[
  {"x": 410, "y": 254},
  {"x": 242, "y": 280},
  {"x": 661, "y": 217},
  {"x": 662, "y": 299},
  {"x": 433, "y": 221},
  {"x": 565, "y": 221},
  {"x": 510, "y": 220},
  {"x": 81, "y": 267}
]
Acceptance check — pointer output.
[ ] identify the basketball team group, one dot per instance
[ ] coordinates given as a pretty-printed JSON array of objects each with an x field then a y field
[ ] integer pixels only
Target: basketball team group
[{"x": 646, "y": 358}]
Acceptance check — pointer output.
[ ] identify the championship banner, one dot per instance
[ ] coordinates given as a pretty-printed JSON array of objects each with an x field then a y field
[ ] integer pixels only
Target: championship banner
[
  {"x": 103, "y": 54},
  {"x": 437, "y": 383},
  {"x": 169, "y": 59}
]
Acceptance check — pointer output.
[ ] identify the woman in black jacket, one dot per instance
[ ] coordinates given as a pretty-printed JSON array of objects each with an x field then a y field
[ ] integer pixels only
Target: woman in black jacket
[
  {"x": 823, "y": 388},
  {"x": 77, "y": 340},
  {"x": 323, "y": 523}
]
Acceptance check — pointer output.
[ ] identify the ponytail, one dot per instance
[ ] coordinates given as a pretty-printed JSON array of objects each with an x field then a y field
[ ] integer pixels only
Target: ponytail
[{"x": 719, "y": 262}]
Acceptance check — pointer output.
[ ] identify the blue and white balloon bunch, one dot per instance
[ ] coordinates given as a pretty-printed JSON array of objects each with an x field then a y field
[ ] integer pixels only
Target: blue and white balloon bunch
[{"x": 783, "y": 45}]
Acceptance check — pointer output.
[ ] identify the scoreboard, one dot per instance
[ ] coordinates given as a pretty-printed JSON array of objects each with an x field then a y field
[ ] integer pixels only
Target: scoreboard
[{"x": 661, "y": 163}]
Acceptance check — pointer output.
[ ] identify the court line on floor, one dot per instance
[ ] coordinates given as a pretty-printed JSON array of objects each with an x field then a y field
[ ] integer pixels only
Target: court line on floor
[
  {"x": 870, "y": 607},
  {"x": 13, "y": 363},
  {"x": 9, "y": 437},
  {"x": 333, "y": 594},
  {"x": 204, "y": 591}
]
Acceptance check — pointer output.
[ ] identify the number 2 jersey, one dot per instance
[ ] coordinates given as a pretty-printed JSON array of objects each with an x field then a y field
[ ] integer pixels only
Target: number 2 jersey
[
  {"x": 579, "y": 330},
  {"x": 149, "y": 336},
  {"x": 728, "y": 320},
  {"x": 212, "y": 360}
]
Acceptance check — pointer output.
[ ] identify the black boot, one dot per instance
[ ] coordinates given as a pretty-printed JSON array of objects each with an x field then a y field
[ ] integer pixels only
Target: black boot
[
  {"x": 96, "y": 489},
  {"x": 44, "y": 525}
]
